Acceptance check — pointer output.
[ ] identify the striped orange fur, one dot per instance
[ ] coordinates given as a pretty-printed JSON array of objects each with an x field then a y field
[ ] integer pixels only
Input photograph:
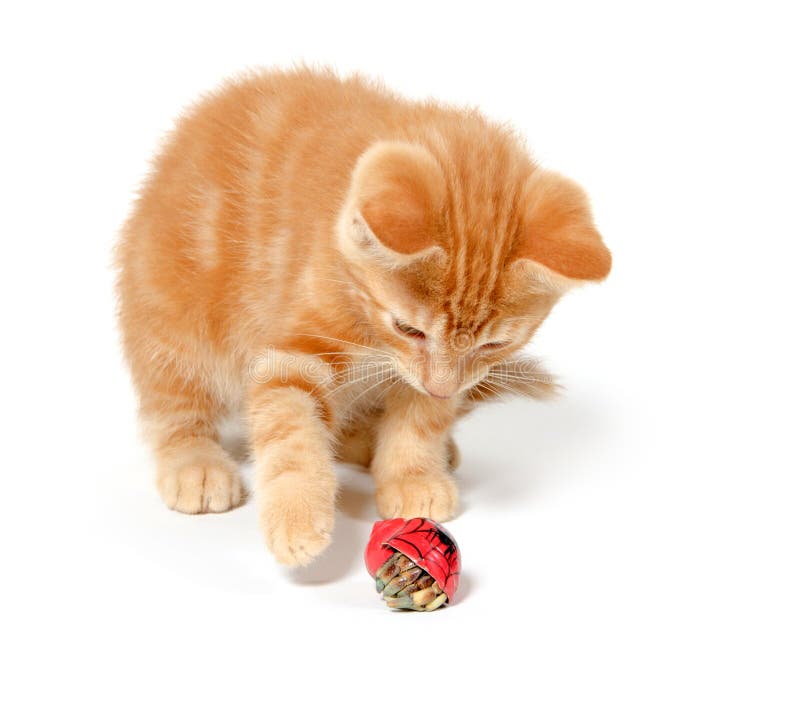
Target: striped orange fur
[{"x": 350, "y": 271}]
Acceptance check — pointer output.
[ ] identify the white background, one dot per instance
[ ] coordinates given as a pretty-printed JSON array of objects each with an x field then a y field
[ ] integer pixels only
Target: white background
[{"x": 631, "y": 546}]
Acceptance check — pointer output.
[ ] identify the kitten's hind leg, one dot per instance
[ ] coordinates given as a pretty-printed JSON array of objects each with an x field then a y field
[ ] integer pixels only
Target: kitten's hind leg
[
  {"x": 356, "y": 441},
  {"x": 356, "y": 444},
  {"x": 453, "y": 454},
  {"x": 194, "y": 474}
]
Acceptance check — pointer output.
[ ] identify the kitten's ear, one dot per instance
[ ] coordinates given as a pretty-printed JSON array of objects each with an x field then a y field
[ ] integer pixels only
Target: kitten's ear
[
  {"x": 393, "y": 208},
  {"x": 558, "y": 245}
]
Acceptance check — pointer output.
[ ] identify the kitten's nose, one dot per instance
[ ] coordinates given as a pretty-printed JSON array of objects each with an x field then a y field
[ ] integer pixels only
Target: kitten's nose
[{"x": 441, "y": 376}]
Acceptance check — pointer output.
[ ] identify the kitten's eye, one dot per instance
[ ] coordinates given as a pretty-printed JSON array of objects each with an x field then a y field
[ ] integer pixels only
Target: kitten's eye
[
  {"x": 495, "y": 345},
  {"x": 407, "y": 330}
]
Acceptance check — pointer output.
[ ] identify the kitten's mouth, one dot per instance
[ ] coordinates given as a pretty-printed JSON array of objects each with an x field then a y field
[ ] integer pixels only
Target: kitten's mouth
[{"x": 445, "y": 387}]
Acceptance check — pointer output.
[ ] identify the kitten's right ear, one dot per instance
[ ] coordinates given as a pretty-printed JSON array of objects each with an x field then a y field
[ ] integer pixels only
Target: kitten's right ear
[
  {"x": 393, "y": 208},
  {"x": 558, "y": 246}
]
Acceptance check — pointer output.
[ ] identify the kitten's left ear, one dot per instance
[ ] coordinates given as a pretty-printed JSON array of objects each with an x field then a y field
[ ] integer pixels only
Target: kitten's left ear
[
  {"x": 394, "y": 205},
  {"x": 558, "y": 244}
]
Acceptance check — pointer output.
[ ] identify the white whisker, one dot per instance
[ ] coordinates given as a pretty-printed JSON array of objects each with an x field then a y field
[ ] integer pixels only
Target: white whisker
[
  {"x": 359, "y": 371},
  {"x": 391, "y": 379},
  {"x": 510, "y": 377},
  {"x": 341, "y": 340}
]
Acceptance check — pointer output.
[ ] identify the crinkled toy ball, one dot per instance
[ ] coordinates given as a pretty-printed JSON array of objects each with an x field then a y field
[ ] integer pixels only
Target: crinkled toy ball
[{"x": 415, "y": 563}]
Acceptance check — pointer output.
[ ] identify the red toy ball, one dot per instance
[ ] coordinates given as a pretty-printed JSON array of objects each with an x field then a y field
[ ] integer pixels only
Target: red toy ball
[{"x": 415, "y": 563}]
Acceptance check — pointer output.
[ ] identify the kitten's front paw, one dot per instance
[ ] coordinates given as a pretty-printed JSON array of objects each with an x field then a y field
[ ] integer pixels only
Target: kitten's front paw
[
  {"x": 297, "y": 521},
  {"x": 432, "y": 496},
  {"x": 201, "y": 486}
]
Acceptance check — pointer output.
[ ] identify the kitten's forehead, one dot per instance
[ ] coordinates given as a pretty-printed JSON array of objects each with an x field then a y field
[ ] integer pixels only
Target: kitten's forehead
[
  {"x": 481, "y": 227},
  {"x": 463, "y": 292},
  {"x": 448, "y": 303},
  {"x": 478, "y": 228},
  {"x": 473, "y": 280}
]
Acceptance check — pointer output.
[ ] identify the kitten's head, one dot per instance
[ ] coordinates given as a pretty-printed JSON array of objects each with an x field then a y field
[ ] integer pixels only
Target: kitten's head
[{"x": 459, "y": 251}]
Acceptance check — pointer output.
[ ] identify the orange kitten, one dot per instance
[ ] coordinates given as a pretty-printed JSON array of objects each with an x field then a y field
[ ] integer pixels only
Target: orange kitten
[{"x": 351, "y": 271}]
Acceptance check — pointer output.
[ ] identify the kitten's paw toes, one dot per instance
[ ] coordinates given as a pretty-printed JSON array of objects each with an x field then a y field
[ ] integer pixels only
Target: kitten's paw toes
[
  {"x": 297, "y": 525},
  {"x": 299, "y": 547},
  {"x": 201, "y": 486},
  {"x": 432, "y": 496}
]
